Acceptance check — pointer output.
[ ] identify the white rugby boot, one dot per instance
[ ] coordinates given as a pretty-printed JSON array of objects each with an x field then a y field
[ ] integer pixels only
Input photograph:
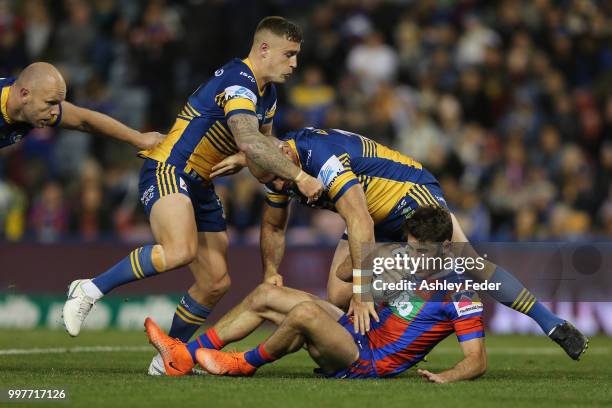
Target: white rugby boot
[{"x": 77, "y": 307}]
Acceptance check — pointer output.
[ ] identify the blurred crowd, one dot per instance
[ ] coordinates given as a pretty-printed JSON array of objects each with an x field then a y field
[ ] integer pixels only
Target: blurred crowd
[{"x": 508, "y": 103}]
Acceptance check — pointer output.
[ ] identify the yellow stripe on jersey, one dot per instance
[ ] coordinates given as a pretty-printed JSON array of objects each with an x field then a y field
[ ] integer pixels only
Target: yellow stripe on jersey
[
  {"x": 382, "y": 195},
  {"x": 220, "y": 99},
  {"x": 425, "y": 195},
  {"x": 271, "y": 113},
  {"x": 162, "y": 151},
  {"x": 277, "y": 198},
  {"x": 433, "y": 199},
  {"x": 291, "y": 143},
  {"x": 339, "y": 182},
  {"x": 3, "y": 100},
  {"x": 383, "y": 152},
  {"x": 239, "y": 103}
]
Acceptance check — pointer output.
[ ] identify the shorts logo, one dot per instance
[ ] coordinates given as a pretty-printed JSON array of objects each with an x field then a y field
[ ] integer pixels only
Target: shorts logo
[
  {"x": 403, "y": 305},
  {"x": 330, "y": 170},
  {"x": 219, "y": 72},
  {"x": 466, "y": 302},
  {"x": 237, "y": 91},
  {"x": 182, "y": 184},
  {"x": 147, "y": 195}
]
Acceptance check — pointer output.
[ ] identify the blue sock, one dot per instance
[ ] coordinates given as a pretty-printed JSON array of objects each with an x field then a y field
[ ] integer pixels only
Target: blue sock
[
  {"x": 138, "y": 265},
  {"x": 188, "y": 318},
  {"x": 513, "y": 294},
  {"x": 209, "y": 340},
  {"x": 258, "y": 356}
]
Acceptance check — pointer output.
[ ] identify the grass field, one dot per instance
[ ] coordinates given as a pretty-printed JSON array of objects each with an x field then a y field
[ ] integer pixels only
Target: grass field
[{"x": 523, "y": 371}]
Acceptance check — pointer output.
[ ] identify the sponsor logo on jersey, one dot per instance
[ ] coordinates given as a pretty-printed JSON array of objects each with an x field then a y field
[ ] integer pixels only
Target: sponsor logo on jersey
[
  {"x": 330, "y": 170},
  {"x": 244, "y": 74},
  {"x": 466, "y": 302},
  {"x": 219, "y": 72},
  {"x": 147, "y": 195},
  {"x": 237, "y": 91}
]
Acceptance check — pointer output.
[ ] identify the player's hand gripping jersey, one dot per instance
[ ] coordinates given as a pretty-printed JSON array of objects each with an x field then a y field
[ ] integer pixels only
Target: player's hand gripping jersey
[
  {"x": 12, "y": 132},
  {"x": 200, "y": 137},
  {"x": 411, "y": 326},
  {"x": 394, "y": 184}
]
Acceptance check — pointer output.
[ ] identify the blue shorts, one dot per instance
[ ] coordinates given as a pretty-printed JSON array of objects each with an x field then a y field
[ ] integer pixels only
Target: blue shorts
[
  {"x": 390, "y": 229},
  {"x": 159, "y": 179},
  {"x": 363, "y": 367}
]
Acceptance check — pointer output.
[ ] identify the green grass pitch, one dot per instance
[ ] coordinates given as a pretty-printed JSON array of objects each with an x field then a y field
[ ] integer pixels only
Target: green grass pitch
[{"x": 523, "y": 371}]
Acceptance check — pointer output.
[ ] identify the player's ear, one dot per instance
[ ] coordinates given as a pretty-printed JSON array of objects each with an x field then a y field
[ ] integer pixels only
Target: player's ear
[
  {"x": 264, "y": 49},
  {"x": 25, "y": 94}
]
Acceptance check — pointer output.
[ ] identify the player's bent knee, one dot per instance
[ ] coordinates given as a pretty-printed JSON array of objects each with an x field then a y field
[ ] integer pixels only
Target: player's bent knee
[
  {"x": 258, "y": 299},
  {"x": 305, "y": 314},
  {"x": 180, "y": 254},
  {"x": 220, "y": 286}
]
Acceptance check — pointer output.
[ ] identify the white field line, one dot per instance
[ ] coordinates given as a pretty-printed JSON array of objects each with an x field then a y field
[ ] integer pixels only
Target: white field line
[{"x": 441, "y": 350}]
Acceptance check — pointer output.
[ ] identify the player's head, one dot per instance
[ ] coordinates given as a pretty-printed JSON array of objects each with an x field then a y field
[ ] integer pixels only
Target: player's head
[
  {"x": 40, "y": 89},
  {"x": 271, "y": 180},
  {"x": 276, "y": 44},
  {"x": 429, "y": 231}
]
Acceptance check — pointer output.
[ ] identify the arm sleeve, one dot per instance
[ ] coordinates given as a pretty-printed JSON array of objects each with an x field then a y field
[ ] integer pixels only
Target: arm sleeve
[
  {"x": 274, "y": 199},
  {"x": 240, "y": 95},
  {"x": 331, "y": 165}
]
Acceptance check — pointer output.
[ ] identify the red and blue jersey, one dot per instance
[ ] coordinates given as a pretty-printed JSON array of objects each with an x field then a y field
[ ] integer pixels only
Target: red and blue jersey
[
  {"x": 200, "y": 137},
  {"x": 12, "y": 132},
  {"x": 410, "y": 327}
]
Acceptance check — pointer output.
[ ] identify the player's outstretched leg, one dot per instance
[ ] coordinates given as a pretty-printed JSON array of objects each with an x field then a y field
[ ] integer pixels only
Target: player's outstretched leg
[
  {"x": 513, "y": 294},
  {"x": 329, "y": 344},
  {"x": 173, "y": 225}
]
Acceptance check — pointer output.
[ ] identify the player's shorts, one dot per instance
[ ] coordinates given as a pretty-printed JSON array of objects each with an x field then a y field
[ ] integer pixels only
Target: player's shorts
[
  {"x": 159, "y": 179},
  {"x": 390, "y": 229},
  {"x": 363, "y": 367}
]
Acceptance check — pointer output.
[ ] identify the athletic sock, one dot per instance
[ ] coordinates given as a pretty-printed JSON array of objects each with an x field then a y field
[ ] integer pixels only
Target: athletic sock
[
  {"x": 513, "y": 294},
  {"x": 188, "y": 317},
  {"x": 138, "y": 265},
  {"x": 209, "y": 340},
  {"x": 258, "y": 356}
]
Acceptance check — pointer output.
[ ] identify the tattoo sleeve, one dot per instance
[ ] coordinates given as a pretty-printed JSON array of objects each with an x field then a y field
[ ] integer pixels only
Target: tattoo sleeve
[{"x": 259, "y": 148}]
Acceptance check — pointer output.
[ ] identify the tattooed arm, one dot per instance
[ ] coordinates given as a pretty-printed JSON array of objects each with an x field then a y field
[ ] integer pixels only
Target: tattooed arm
[{"x": 264, "y": 152}]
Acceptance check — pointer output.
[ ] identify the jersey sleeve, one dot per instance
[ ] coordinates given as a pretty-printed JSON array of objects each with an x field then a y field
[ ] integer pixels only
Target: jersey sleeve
[
  {"x": 465, "y": 311},
  {"x": 276, "y": 200},
  {"x": 331, "y": 165},
  {"x": 240, "y": 95}
]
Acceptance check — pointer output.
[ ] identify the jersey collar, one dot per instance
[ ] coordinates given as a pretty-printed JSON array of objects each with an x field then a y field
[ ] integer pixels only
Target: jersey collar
[
  {"x": 3, "y": 100},
  {"x": 248, "y": 63}
]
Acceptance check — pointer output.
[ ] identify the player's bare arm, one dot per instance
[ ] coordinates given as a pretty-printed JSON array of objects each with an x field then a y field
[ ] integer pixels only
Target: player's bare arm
[
  {"x": 272, "y": 242},
  {"x": 85, "y": 120},
  {"x": 262, "y": 150},
  {"x": 353, "y": 208},
  {"x": 473, "y": 365}
]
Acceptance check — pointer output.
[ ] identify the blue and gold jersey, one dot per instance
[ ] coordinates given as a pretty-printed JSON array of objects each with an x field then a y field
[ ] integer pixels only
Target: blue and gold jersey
[
  {"x": 342, "y": 159},
  {"x": 200, "y": 137},
  {"x": 12, "y": 132}
]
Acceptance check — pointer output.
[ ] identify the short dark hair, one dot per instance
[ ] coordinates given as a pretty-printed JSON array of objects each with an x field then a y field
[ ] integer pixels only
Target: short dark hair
[
  {"x": 282, "y": 27},
  {"x": 430, "y": 224}
]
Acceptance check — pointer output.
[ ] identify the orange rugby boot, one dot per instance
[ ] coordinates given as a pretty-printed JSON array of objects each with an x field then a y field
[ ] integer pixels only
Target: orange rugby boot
[
  {"x": 177, "y": 359},
  {"x": 224, "y": 363}
]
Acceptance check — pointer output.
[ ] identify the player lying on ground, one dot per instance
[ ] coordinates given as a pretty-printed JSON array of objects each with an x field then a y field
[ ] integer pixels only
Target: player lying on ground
[
  {"x": 375, "y": 189},
  {"x": 409, "y": 328},
  {"x": 231, "y": 112},
  {"x": 35, "y": 99}
]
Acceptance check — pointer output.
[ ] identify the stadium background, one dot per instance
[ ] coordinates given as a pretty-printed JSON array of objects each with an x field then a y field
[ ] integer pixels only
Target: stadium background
[{"x": 508, "y": 103}]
